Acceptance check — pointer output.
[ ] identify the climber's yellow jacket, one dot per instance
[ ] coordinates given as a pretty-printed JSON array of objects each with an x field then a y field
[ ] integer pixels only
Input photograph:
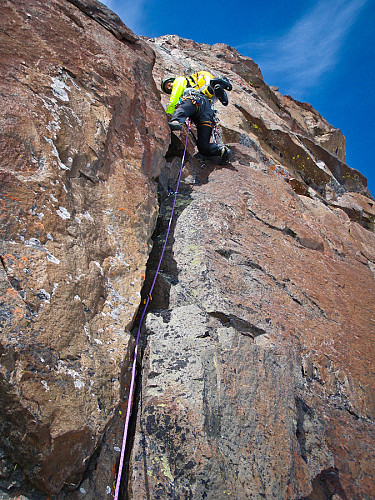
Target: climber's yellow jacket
[{"x": 199, "y": 81}]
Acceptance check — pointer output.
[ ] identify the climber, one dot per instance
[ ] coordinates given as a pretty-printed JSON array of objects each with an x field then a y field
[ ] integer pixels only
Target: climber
[{"x": 193, "y": 97}]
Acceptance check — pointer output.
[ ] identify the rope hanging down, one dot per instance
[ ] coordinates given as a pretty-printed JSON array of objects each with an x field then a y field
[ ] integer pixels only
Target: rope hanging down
[{"x": 130, "y": 397}]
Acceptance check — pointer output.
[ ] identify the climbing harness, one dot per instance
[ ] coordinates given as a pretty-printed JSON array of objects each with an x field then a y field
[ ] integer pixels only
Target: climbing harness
[
  {"x": 149, "y": 297},
  {"x": 193, "y": 95},
  {"x": 207, "y": 123}
]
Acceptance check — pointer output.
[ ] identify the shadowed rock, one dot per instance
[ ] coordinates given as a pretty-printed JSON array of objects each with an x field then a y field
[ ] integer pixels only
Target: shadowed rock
[{"x": 107, "y": 18}]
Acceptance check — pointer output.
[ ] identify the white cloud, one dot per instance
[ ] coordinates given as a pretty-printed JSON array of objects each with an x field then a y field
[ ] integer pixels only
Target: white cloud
[
  {"x": 300, "y": 58},
  {"x": 131, "y": 12}
]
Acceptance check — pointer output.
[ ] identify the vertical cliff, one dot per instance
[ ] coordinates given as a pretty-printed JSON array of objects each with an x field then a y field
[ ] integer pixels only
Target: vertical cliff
[
  {"x": 256, "y": 376},
  {"x": 78, "y": 206}
]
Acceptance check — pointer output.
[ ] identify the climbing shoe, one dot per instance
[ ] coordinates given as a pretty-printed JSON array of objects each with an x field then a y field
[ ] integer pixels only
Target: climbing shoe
[
  {"x": 221, "y": 94},
  {"x": 223, "y": 82},
  {"x": 175, "y": 125},
  {"x": 225, "y": 155}
]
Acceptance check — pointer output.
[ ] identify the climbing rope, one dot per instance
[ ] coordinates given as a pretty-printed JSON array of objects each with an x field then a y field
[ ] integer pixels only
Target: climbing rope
[{"x": 130, "y": 397}]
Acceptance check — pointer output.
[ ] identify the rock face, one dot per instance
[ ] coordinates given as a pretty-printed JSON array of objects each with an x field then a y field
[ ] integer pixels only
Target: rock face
[
  {"x": 78, "y": 209},
  {"x": 257, "y": 373}
]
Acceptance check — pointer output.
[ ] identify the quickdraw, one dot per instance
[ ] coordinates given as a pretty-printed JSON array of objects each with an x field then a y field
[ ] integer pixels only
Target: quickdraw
[
  {"x": 216, "y": 134},
  {"x": 216, "y": 131}
]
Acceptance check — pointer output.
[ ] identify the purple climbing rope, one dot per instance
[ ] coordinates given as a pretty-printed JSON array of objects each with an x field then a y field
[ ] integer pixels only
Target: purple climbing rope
[{"x": 130, "y": 397}]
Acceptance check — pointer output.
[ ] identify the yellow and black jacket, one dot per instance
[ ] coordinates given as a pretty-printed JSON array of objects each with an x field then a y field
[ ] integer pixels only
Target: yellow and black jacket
[{"x": 199, "y": 81}]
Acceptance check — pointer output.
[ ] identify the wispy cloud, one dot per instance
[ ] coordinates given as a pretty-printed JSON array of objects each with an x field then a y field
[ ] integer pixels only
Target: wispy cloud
[
  {"x": 299, "y": 59},
  {"x": 130, "y": 11}
]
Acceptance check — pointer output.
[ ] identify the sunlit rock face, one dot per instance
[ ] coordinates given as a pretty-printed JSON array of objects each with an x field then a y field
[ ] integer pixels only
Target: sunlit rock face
[{"x": 256, "y": 379}]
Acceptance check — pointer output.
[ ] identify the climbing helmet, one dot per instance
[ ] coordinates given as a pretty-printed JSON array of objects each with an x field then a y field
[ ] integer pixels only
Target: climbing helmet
[{"x": 170, "y": 79}]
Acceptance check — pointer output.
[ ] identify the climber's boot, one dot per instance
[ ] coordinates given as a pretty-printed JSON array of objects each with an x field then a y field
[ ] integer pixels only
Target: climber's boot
[
  {"x": 175, "y": 125},
  {"x": 221, "y": 94},
  {"x": 225, "y": 155}
]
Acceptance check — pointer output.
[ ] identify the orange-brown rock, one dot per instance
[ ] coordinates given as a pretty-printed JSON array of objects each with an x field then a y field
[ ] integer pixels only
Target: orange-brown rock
[
  {"x": 257, "y": 378},
  {"x": 78, "y": 207}
]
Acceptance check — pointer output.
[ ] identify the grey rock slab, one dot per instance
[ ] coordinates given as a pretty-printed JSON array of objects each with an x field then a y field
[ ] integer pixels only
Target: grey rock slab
[{"x": 205, "y": 429}]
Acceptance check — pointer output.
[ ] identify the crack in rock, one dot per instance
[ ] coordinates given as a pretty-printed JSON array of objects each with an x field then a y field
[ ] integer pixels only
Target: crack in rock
[{"x": 242, "y": 326}]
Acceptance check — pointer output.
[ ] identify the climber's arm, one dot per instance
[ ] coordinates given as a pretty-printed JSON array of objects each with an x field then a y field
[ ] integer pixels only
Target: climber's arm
[{"x": 179, "y": 85}]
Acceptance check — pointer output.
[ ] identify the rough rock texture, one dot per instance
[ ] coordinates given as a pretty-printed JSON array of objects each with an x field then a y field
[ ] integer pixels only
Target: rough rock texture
[
  {"x": 258, "y": 377},
  {"x": 104, "y": 16},
  {"x": 78, "y": 207},
  {"x": 257, "y": 373}
]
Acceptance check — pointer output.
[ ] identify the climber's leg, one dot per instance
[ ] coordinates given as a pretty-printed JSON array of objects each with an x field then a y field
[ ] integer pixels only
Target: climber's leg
[
  {"x": 184, "y": 110},
  {"x": 207, "y": 148}
]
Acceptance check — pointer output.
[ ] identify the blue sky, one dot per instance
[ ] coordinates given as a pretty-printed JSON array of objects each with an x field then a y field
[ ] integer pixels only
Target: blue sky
[{"x": 317, "y": 51}]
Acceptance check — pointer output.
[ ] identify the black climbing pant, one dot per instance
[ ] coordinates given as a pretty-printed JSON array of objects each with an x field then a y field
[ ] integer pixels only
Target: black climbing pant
[{"x": 197, "y": 107}]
